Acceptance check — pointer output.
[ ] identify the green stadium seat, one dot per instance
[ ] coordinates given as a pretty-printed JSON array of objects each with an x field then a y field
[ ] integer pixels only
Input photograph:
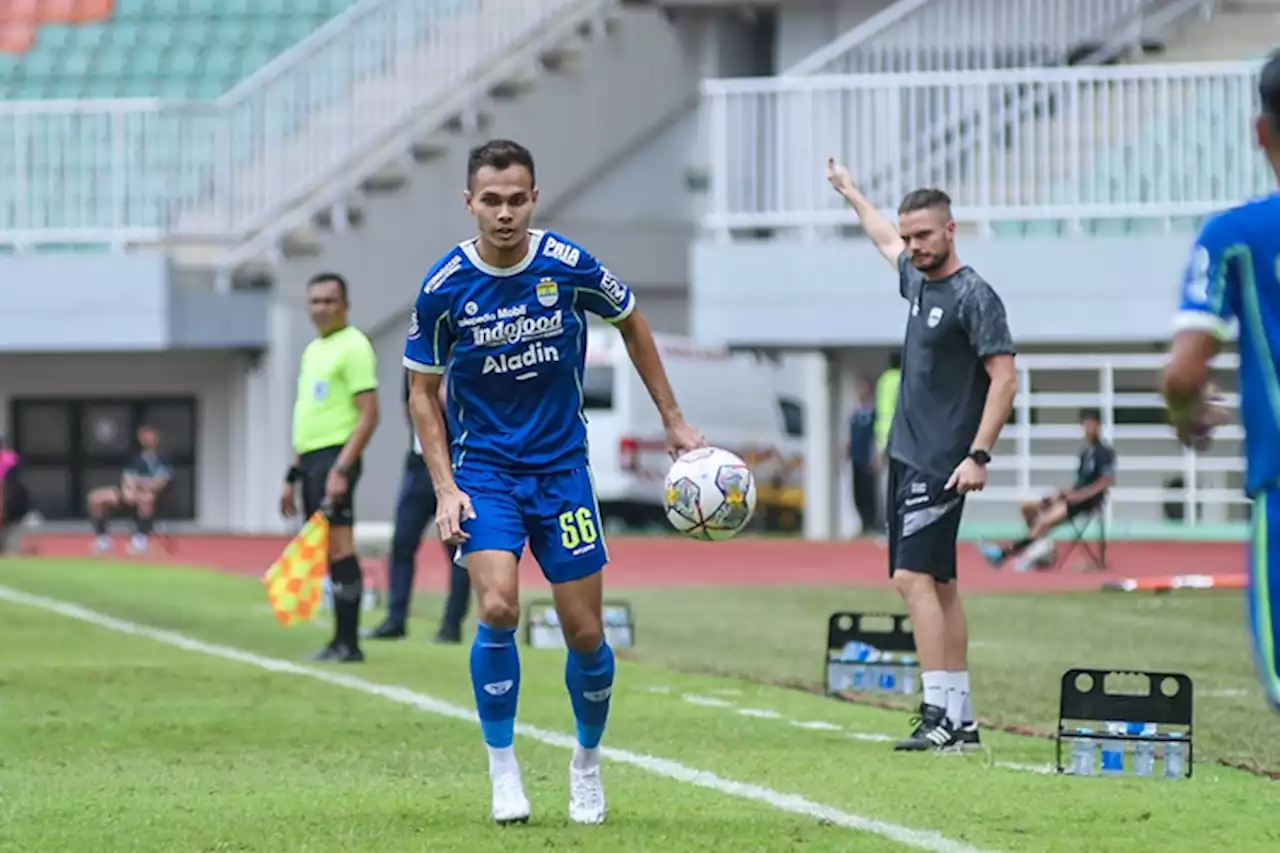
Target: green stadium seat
[
  {"x": 161, "y": 48},
  {"x": 181, "y": 49}
]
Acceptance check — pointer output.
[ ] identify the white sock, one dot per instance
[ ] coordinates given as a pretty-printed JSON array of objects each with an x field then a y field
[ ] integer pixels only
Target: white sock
[
  {"x": 502, "y": 759},
  {"x": 966, "y": 708},
  {"x": 585, "y": 758},
  {"x": 935, "y": 688},
  {"x": 957, "y": 690}
]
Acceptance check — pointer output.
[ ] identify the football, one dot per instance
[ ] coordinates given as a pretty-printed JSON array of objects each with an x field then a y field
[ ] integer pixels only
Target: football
[{"x": 710, "y": 494}]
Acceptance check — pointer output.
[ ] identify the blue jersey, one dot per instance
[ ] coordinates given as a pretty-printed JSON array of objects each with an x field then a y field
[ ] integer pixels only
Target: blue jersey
[
  {"x": 515, "y": 340},
  {"x": 1233, "y": 277}
]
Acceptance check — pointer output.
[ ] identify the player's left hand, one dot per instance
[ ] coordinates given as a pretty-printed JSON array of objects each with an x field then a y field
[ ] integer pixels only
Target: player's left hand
[
  {"x": 681, "y": 438},
  {"x": 969, "y": 476},
  {"x": 335, "y": 486}
]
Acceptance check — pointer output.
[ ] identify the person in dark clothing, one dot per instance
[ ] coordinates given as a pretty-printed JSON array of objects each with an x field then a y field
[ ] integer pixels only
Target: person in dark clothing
[
  {"x": 14, "y": 500},
  {"x": 863, "y": 458},
  {"x": 1094, "y": 475},
  {"x": 415, "y": 508}
]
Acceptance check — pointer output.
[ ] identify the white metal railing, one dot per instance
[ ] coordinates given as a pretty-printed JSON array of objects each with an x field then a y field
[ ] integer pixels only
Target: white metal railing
[
  {"x": 950, "y": 35},
  {"x": 1117, "y": 142},
  {"x": 223, "y": 172},
  {"x": 1039, "y": 450}
]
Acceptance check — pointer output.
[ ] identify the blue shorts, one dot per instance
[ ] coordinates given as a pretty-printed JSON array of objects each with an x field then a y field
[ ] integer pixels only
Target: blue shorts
[
  {"x": 557, "y": 513},
  {"x": 1264, "y": 592}
]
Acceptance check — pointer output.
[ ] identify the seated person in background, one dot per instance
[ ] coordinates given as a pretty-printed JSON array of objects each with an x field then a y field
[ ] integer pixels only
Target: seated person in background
[
  {"x": 142, "y": 481},
  {"x": 13, "y": 495},
  {"x": 1093, "y": 478}
]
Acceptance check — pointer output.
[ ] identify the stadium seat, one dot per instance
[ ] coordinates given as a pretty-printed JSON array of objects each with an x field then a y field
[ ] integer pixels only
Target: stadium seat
[{"x": 146, "y": 48}]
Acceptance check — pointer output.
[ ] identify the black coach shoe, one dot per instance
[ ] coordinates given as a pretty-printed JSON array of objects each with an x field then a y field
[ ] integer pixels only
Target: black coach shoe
[
  {"x": 388, "y": 630},
  {"x": 933, "y": 731},
  {"x": 339, "y": 653},
  {"x": 447, "y": 636},
  {"x": 967, "y": 738}
]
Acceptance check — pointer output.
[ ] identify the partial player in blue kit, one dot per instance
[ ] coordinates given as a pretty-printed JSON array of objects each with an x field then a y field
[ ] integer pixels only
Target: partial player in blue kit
[
  {"x": 507, "y": 313},
  {"x": 1234, "y": 275}
]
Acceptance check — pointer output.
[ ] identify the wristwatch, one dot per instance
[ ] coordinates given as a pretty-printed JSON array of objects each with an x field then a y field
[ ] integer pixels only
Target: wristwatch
[{"x": 982, "y": 457}]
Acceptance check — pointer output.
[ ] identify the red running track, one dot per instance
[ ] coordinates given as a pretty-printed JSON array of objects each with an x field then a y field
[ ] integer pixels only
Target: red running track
[{"x": 661, "y": 561}]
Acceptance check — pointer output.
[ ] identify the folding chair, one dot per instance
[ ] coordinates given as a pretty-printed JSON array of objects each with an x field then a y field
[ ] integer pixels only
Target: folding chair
[{"x": 1095, "y": 547}]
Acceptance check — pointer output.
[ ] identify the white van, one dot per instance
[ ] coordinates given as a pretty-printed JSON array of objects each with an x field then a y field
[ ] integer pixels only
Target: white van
[{"x": 735, "y": 399}]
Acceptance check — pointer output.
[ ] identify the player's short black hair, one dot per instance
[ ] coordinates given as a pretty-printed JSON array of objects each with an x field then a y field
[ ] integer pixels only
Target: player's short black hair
[
  {"x": 1269, "y": 89},
  {"x": 925, "y": 198},
  {"x": 322, "y": 277},
  {"x": 499, "y": 154},
  {"x": 1089, "y": 413}
]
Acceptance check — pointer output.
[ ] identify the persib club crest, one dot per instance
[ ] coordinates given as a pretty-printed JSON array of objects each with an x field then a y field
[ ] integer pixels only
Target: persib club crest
[{"x": 548, "y": 293}]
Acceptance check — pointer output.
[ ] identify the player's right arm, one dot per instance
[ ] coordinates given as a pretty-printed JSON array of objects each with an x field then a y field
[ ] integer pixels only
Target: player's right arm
[
  {"x": 426, "y": 356},
  {"x": 881, "y": 231},
  {"x": 1210, "y": 288}
]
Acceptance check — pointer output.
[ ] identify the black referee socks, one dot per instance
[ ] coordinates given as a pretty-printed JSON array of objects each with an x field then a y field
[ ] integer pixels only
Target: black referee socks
[{"x": 348, "y": 589}]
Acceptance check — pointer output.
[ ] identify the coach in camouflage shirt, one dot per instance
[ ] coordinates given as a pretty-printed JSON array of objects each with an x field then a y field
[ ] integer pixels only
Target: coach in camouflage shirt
[{"x": 957, "y": 390}]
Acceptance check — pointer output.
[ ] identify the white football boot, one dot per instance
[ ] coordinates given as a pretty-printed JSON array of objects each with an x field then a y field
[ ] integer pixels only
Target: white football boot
[
  {"x": 510, "y": 805},
  {"x": 586, "y": 791}
]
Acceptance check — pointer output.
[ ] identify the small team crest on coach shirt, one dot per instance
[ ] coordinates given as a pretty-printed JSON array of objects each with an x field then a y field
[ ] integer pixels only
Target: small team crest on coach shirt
[
  {"x": 935, "y": 317},
  {"x": 548, "y": 292}
]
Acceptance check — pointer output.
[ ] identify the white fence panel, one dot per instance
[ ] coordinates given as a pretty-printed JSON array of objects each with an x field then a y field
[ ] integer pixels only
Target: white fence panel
[
  {"x": 144, "y": 171},
  {"x": 954, "y": 35},
  {"x": 1072, "y": 144}
]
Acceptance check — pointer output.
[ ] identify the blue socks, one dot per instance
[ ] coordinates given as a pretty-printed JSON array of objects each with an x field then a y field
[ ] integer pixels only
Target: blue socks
[
  {"x": 589, "y": 678},
  {"x": 495, "y": 677}
]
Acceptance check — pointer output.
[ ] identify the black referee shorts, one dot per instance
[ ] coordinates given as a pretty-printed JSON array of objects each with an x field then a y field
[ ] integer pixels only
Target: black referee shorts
[
  {"x": 924, "y": 523},
  {"x": 315, "y": 467}
]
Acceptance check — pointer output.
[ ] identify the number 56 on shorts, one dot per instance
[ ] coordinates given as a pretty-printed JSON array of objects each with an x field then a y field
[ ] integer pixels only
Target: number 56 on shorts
[{"x": 577, "y": 527}]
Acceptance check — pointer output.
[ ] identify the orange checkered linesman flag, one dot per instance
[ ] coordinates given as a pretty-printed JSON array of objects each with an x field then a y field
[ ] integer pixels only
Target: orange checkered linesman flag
[{"x": 295, "y": 580}]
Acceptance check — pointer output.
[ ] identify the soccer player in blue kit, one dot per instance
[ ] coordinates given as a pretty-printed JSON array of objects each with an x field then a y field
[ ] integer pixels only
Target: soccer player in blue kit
[
  {"x": 506, "y": 311},
  {"x": 1234, "y": 274}
]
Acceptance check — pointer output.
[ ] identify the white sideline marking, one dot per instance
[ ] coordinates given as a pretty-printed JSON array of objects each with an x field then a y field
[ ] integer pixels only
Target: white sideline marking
[
  {"x": 815, "y": 725},
  {"x": 1042, "y": 769},
  {"x": 760, "y": 713},
  {"x": 872, "y": 737},
  {"x": 820, "y": 726},
  {"x": 920, "y": 839}
]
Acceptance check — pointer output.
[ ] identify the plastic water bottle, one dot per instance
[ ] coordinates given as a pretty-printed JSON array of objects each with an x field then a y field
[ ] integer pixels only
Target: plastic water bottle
[
  {"x": 1113, "y": 751},
  {"x": 908, "y": 680},
  {"x": 870, "y": 680},
  {"x": 839, "y": 676},
  {"x": 1175, "y": 757},
  {"x": 1084, "y": 753},
  {"x": 858, "y": 653},
  {"x": 887, "y": 675},
  {"x": 1144, "y": 751}
]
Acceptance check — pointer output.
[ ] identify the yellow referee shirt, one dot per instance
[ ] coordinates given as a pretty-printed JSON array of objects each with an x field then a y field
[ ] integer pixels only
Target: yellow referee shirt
[
  {"x": 886, "y": 403},
  {"x": 334, "y": 370}
]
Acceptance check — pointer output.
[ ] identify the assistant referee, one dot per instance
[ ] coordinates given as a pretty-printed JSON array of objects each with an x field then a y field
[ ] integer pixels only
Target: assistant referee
[{"x": 334, "y": 416}]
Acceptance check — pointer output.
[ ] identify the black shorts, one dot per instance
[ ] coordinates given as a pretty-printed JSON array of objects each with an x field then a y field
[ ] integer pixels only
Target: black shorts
[
  {"x": 315, "y": 470},
  {"x": 1092, "y": 505},
  {"x": 924, "y": 523}
]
